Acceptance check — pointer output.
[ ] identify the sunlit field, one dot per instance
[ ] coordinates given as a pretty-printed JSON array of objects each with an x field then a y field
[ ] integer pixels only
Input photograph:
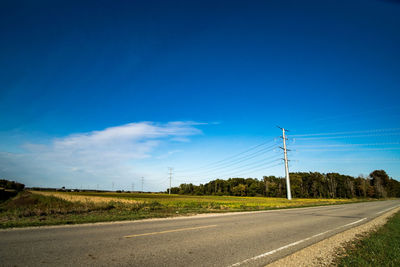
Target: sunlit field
[
  {"x": 35, "y": 208},
  {"x": 215, "y": 203}
]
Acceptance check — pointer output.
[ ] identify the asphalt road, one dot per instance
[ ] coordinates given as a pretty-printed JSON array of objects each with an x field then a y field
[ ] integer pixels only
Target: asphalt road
[{"x": 239, "y": 239}]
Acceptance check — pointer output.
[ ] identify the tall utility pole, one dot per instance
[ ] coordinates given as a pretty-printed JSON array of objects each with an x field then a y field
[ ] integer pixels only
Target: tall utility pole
[
  {"x": 289, "y": 193},
  {"x": 133, "y": 187},
  {"x": 170, "y": 179},
  {"x": 142, "y": 182}
]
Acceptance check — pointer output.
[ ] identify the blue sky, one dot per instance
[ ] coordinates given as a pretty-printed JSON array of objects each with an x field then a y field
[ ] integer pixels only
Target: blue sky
[{"x": 100, "y": 92}]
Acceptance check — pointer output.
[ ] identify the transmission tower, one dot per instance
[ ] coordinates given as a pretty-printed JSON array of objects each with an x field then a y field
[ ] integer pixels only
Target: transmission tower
[
  {"x": 170, "y": 179},
  {"x": 289, "y": 193}
]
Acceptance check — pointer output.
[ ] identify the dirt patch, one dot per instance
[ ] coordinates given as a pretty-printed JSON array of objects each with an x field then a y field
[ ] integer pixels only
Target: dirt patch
[{"x": 324, "y": 252}]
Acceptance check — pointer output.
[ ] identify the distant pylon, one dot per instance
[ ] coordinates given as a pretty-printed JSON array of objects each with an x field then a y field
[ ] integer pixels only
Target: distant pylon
[{"x": 170, "y": 179}]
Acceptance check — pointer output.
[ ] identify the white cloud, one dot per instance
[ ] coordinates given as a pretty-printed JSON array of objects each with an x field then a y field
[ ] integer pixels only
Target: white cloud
[{"x": 94, "y": 157}]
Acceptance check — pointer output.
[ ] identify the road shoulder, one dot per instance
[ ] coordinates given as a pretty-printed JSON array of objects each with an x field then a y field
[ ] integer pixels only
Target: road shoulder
[{"x": 324, "y": 252}]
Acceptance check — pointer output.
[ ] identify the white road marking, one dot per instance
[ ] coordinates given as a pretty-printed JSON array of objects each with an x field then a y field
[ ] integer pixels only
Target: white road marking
[
  {"x": 291, "y": 244},
  {"x": 386, "y": 210},
  {"x": 270, "y": 252},
  {"x": 322, "y": 233},
  {"x": 352, "y": 223}
]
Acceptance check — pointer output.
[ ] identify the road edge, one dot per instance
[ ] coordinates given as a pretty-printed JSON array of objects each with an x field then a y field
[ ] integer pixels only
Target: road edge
[{"x": 324, "y": 252}]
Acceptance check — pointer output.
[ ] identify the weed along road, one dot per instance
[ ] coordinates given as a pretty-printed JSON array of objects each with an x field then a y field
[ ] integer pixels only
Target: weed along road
[{"x": 234, "y": 239}]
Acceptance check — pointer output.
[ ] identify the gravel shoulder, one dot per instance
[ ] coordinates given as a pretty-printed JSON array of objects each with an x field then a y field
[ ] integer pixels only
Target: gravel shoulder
[{"x": 324, "y": 252}]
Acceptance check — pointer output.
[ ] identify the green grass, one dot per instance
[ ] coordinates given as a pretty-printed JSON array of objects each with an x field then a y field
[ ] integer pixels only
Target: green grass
[
  {"x": 32, "y": 209},
  {"x": 381, "y": 248}
]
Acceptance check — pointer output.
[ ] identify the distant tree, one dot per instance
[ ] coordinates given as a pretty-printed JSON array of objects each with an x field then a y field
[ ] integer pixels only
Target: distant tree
[
  {"x": 371, "y": 191},
  {"x": 360, "y": 185},
  {"x": 380, "y": 182},
  {"x": 296, "y": 184},
  {"x": 303, "y": 185},
  {"x": 252, "y": 189},
  {"x": 239, "y": 190}
]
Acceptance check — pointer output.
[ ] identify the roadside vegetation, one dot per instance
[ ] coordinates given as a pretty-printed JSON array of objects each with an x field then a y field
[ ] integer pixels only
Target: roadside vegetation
[
  {"x": 30, "y": 209},
  {"x": 34, "y": 208},
  {"x": 380, "y": 248}
]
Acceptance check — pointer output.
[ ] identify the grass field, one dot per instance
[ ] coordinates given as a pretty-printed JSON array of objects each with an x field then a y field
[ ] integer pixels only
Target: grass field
[
  {"x": 50, "y": 208},
  {"x": 381, "y": 248}
]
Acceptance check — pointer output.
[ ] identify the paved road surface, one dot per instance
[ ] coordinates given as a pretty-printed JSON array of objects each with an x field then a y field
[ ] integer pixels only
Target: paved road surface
[{"x": 239, "y": 239}]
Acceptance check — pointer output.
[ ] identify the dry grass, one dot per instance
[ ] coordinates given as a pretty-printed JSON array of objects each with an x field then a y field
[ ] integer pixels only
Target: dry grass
[
  {"x": 211, "y": 203},
  {"x": 83, "y": 198}
]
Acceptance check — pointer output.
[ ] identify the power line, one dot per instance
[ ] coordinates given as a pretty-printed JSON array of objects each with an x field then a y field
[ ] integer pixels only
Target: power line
[
  {"x": 355, "y": 149},
  {"x": 218, "y": 173},
  {"x": 346, "y": 136},
  {"x": 238, "y": 169},
  {"x": 259, "y": 167},
  {"x": 352, "y": 132},
  {"x": 249, "y": 167},
  {"x": 212, "y": 164},
  {"x": 249, "y": 159},
  {"x": 353, "y": 159},
  {"x": 240, "y": 160},
  {"x": 344, "y": 145},
  {"x": 348, "y": 147}
]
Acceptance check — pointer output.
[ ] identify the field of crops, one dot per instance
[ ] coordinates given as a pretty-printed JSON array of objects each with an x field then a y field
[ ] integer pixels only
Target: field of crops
[
  {"x": 231, "y": 203},
  {"x": 32, "y": 208}
]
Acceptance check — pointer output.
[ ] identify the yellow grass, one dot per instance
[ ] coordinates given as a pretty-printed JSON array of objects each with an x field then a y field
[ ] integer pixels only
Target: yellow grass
[
  {"x": 82, "y": 198},
  {"x": 195, "y": 202}
]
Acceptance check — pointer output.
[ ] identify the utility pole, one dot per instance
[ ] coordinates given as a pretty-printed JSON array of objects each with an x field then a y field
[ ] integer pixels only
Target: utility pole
[
  {"x": 142, "y": 182},
  {"x": 133, "y": 187},
  {"x": 289, "y": 193},
  {"x": 170, "y": 179}
]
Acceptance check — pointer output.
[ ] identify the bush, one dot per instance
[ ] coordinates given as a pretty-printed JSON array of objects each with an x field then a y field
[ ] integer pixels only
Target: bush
[
  {"x": 6, "y": 194},
  {"x": 6, "y": 184}
]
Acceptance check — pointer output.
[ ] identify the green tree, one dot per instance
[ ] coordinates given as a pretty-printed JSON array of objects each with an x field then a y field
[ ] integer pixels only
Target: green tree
[
  {"x": 239, "y": 190},
  {"x": 380, "y": 182}
]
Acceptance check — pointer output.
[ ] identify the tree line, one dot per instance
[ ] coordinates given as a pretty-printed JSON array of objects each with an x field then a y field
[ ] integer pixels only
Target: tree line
[{"x": 303, "y": 185}]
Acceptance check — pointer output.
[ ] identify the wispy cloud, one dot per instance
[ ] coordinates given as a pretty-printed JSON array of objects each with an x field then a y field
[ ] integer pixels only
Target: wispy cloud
[{"x": 112, "y": 153}]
